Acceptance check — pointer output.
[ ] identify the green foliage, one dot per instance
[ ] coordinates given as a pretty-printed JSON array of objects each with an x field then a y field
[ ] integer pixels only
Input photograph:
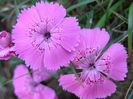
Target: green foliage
[
  {"x": 85, "y": 2},
  {"x": 105, "y": 17}
]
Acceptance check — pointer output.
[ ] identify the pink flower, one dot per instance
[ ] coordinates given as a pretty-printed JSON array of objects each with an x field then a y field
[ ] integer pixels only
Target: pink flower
[
  {"x": 26, "y": 88},
  {"x": 6, "y": 49},
  {"x": 91, "y": 83},
  {"x": 44, "y": 37}
]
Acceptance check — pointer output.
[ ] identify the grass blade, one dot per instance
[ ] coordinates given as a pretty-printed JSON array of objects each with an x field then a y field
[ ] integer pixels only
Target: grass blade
[
  {"x": 104, "y": 18},
  {"x": 16, "y": 8},
  {"x": 130, "y": 29},
  {"x": 79, "y": 4}
]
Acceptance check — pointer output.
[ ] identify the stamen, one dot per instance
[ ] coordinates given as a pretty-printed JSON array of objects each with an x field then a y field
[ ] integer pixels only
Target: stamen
[
  {"x": 91, "y": 77},
  {"x": 47, "y": 35}
]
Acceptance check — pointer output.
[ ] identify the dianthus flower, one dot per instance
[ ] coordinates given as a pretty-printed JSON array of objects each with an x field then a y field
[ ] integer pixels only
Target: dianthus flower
[
  {"x": 93, "y": 81},
  {"x": 26, "y": 88},
  {"x": 43, "y": 36},
  {"x": 6, "y": 46}
]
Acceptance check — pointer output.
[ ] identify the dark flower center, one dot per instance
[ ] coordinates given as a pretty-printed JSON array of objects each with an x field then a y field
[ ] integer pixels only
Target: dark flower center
[
  {"x": 47, "y": 35},
  {"x": 91, "y": 65}
]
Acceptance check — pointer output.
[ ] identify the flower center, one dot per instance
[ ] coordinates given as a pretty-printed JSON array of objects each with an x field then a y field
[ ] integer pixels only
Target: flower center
[
  {"x": 91, "y": 66},
  {"x": 47, "y": 36},
  {"x": 90, "y": 77},
  {"x": 87, "y": 60}
]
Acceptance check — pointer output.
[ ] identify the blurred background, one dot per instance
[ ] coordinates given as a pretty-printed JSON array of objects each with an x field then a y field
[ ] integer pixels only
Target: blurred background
[{"x": 114, "y": 15}]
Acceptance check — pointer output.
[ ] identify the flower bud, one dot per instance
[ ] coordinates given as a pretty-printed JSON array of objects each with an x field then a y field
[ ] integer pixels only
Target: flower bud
[
  {"x": 5, "y": 39},
  {"x": 6, "y": 47}
]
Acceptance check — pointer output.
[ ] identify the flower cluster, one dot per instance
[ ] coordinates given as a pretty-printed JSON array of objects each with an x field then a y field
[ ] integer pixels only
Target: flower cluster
[{"x": 47, "y": 40}]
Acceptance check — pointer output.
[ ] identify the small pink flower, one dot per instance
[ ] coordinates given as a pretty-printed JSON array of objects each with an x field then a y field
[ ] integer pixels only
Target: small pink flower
[
  {"x": 6, "y": 49},
  {"x": 44, "y": 37},
  {"x": 26, "y": 88},
  {"x": 91, "y": 83}
]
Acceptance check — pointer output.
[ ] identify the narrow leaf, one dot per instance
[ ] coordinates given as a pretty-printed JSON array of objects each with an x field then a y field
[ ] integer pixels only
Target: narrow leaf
[
  {"x": 104, "y": 18},
  {"x": 130, "y": 29},
  {"x": 85, "y": 2}
]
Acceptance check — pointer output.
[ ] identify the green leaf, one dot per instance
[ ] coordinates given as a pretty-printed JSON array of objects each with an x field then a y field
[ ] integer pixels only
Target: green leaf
[
  {"x": 120, "y": 38},
  {"x": 14, "y": 61},
  {"x": 130, "y": 29},
  {"x": 89, "y": 20},
  {"x": 120, "y": 16},
  {"x": 33, "y": 1},
  {"x": 109, "y": 10},
  {"x": 63, "y": 1},
  {"x": 85, "y": 2},
  {"x": 16, "y": 7},
  {"x": 110, "y": 3}
]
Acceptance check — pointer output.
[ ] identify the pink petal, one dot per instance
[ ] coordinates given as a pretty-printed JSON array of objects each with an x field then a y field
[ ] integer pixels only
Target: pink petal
[
  {"x": 53, "y": 16},
  {"x": 35, "y": 16},
  {"x": 93, "y": 38},
  {"x": 56, "y": 57},
  {"x": 44, "y": 92},
  {"x": 23, "y": 21},
  {"x": 7, "y": 53},
  {"x": 97, "y": 90},
  {"x": 118, "y": 61},
  {"x": 68, "y": 30},
  {"x": 69, "y": 83},
  {"x": 29, "y": 53},
  {"x": 41, "y": 74},
  {"x": 22, "y": 82}
]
